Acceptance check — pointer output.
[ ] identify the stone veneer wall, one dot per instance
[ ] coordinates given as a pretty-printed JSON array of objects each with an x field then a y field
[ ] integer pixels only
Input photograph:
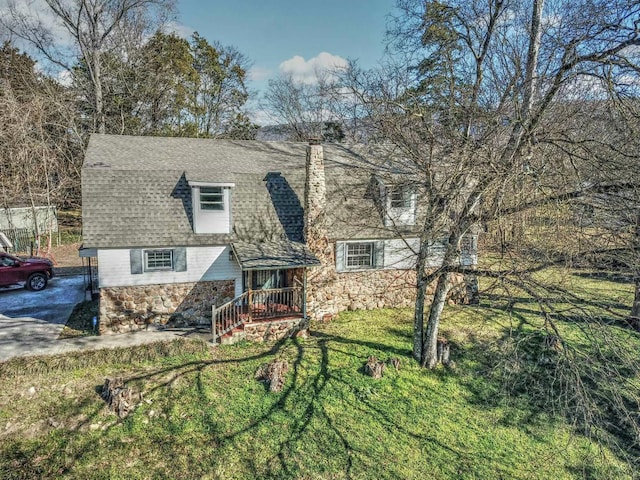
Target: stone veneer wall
[
  {"x": 131, "y": 308},
  {"x": 330, "y": 292},
  {"x": 274, "y": 329}
]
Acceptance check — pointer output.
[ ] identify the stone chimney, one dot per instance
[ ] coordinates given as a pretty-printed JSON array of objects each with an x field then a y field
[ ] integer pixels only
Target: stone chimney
[{"x": 315, "y": 196}]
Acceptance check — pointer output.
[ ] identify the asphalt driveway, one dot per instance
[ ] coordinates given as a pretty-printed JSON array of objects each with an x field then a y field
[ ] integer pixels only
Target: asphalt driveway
[{"x": 31, "y": 321}]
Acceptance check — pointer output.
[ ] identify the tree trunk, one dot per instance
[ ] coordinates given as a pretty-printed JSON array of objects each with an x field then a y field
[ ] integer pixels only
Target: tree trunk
[
  {"x": 374, "y": 367},
  {"x": 421, "y": 293},
  {"x": 273, "y": 374},
  {"x": 522, "y": 130},
  {"x": 444, "y": 350},
  {"x": 430, "y": 344},
  {"x": 418, "y": 319},
  {"x": 532, "y": 58},
  {"x": 635, "y": 309},
  {"x": 120, "y": 398}
]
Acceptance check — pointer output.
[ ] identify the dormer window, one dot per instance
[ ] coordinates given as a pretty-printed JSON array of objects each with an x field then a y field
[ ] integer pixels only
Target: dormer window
[
  {"x": 211, "y": 198},
  {"x": 211, "y": 206},
  {"x": 400, "y": 197},
  {"x": 400, "y": 206}
]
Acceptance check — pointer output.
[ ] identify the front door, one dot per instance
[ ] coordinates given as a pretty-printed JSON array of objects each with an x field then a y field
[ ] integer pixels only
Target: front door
[{"x": 264, "y": 279}]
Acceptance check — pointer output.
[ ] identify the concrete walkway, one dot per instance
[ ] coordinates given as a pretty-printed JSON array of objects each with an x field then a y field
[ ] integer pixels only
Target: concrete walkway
[
  {"x": 31, "y": 322},
  {"x": 49, "y": 345}
]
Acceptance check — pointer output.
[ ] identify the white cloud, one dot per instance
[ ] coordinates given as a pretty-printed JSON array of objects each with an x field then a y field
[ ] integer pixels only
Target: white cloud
[
  {"x": 552, "y": 20},
  {"x": 583, "y": 87},
  {"x": 257, "y": 74},
  {"x": 37, "y": 12},
  {"x": 65, "y": 78},
  {"x": 307, "y": 71},
  {"x": 181, "y": 30},
  {"x": 631, "y": 51}
]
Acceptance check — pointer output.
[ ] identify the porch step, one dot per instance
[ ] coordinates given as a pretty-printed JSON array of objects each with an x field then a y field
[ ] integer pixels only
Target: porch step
[{"x": 234, "y": 336}]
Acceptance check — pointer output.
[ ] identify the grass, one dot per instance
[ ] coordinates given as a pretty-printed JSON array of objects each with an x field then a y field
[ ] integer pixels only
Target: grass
[
  {"x": 70, "y": 235},
  {"x": 204, "y": 415},
  {"x": 70, "y": 225}
]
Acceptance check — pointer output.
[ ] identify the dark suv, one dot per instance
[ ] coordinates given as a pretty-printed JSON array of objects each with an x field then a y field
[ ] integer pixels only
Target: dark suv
[{"x": 35, "y": 272}]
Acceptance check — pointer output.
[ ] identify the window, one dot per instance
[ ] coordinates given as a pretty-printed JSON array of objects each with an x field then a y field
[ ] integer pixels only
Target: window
[
  {"x": 211, "y": 198},
  {"x": 158, "y": 260},
  {"x": 400, "y": 197},
  {"x": 7, "y": 262},
  {"x": 359, "y": 255}
]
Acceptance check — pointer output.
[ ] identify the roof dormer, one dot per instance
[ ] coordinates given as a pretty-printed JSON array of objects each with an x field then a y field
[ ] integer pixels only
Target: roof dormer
[
  {"x": 399, "y": 205},
  {"x": 211, "y": 207}
]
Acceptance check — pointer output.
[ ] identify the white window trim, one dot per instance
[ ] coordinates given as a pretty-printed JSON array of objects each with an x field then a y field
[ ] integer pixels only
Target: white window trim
[
  {"x": 371, "y": 266},
  {"x": 210, "y": 184},
  {"x": 146, "y": 267},
  {"x": 404, "y": 215},
  {"x": 196, "y": 192}
]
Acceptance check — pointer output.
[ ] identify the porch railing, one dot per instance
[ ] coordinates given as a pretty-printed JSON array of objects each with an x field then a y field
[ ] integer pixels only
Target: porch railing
[
  {"x": 228, "y": 316},
  {"x": 275, "y": 302},
  {"x": 256, "y": 305}
]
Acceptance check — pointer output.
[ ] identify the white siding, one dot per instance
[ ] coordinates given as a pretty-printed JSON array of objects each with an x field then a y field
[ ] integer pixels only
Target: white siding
[
  {"x": 211, "y": 221},
  {"x": 468, "y": 252},
  {"x": 203, "y": 263},
  {"x": 402, "y": 215},
  {"x": 400, "y": 254}
]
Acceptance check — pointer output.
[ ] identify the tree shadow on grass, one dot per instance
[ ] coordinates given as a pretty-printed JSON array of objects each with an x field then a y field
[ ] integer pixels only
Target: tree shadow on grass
[
  {"x": 616, "y": 277},
  {"x": 578, "y": 371},
  {"x": 306, "y": 404},
  {"x": 200, "y": 439}
]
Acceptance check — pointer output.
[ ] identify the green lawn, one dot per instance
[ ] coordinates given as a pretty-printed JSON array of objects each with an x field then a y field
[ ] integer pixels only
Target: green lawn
[{"x": 204, "y": 415}]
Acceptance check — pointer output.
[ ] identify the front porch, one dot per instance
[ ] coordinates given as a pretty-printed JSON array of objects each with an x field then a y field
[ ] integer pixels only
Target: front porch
[
  {"x": 257, "y": 307},
  {"x": 273, "y": 302}
]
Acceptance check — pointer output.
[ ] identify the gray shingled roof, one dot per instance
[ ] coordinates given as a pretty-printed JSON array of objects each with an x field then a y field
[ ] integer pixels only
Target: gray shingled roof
[
  {"x": 272, "y": 255},
  {"x": 135, "y": 191}
]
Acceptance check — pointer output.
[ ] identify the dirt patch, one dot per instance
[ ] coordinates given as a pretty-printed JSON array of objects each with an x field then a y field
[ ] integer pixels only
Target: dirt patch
[{"x": 66, "y": 259}]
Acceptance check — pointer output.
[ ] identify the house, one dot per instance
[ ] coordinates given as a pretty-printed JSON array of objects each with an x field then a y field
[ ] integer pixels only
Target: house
[
  {"x": 22, "y": 226},
  {"x": 256, "y": 231}
]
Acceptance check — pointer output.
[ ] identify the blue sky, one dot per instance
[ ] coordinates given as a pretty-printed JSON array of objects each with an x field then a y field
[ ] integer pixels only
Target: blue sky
[
  {"x": 290, "y": 35},
  {"x": 295, "y": 37}
]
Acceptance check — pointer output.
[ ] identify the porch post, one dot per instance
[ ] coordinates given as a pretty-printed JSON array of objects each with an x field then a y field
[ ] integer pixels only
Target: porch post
[
  {"x": 214, "y": 328},
  {"x": 250, "y": 296},
  {"x": 304, "y": 294}
]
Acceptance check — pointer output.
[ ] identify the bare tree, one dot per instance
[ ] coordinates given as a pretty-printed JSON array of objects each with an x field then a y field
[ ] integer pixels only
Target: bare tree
[
  {"x": 477, "y": 114},
  {"x": 39, "y": 144},
  {"x": 92, "y": 27},
  {"x": 302, "y": 107}
]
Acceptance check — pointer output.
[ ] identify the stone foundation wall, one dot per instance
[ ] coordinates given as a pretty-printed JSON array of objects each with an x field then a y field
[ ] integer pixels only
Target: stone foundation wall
[
  {"x": 124, "y": 309},
  {"x": 274, "y": 329},
  {"x": 330, "y": 292}
]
